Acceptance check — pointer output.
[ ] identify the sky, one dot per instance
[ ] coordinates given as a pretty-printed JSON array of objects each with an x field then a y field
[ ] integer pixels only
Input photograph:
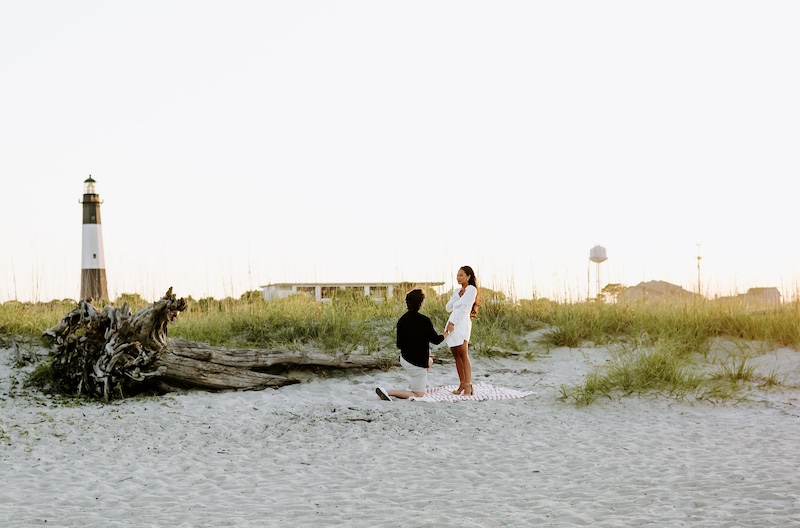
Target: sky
[{"x": 241, "y": 143}]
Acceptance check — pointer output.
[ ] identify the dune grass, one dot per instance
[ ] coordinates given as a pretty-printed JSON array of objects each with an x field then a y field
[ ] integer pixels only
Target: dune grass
[
  {"x": 661, "y": 366},
  {"x": 347, "y": 323},
  {"x": 29, "y": 320},
  {"x": 655, "y": 346},
  {"x": 344, "y": 325},
  {"x": 665, "y": 347},
  {"x": 572, "y": 324}
]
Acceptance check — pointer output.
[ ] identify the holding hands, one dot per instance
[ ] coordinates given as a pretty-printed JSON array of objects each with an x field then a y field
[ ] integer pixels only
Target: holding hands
[{"x": 447, "y": 331}]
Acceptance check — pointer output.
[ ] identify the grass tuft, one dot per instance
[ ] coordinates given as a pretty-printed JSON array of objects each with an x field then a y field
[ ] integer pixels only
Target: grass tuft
[{"x": 660, "y": 367}]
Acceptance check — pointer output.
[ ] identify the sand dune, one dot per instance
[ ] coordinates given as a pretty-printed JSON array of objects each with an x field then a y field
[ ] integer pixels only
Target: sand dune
[{"x": 328, "y": 452}]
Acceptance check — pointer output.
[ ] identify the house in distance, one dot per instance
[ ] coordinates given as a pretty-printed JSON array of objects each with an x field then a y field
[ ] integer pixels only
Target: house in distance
[{"x": 325, "y": 291}]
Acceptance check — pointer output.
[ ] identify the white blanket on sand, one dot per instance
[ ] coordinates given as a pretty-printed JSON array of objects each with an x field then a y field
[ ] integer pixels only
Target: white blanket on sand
[{"x": 480, "y": 392}]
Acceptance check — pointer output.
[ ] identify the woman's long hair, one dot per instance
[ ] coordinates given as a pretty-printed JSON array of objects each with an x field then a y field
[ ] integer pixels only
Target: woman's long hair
[{"x": 474, "y": 282}]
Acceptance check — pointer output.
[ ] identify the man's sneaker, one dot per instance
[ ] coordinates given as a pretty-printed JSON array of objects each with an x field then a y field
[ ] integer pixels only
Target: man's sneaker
[{"x": 383, "y": 394}]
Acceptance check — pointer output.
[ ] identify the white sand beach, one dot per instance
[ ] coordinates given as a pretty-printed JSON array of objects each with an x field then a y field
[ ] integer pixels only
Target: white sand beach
[{"x": 329, "y": 452}]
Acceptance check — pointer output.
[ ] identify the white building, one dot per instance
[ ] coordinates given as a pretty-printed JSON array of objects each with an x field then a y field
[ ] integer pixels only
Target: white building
[{"x": 324, "y": 291}]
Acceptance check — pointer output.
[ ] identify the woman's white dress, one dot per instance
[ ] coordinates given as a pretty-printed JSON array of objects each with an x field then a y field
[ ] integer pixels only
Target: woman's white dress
[{"x": 460, "y": 308}]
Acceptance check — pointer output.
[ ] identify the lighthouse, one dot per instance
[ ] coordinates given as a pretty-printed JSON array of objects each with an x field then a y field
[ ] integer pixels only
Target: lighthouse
[{"x": 93, "y": 263}]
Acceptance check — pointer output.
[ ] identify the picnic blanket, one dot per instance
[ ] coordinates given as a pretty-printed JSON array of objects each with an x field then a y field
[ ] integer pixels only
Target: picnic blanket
[{"x": 480, "y": 392}]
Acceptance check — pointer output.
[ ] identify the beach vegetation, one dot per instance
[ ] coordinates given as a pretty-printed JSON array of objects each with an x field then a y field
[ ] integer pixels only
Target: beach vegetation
[
  {"x": 735, "y": 370},
  {"x": 677, "y": 367},
  {"x": 42, "y": 376},
  {"x": 661, "y": 346},
  {"x": 662, "y": 366},
  {"x": 18, "y": 319},
  {"x": 134, "y": 301},
  {"x": 771, "y": 378}
]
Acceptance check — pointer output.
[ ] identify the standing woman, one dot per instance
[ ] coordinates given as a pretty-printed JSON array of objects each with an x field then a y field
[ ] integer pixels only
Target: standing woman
[{"x": 464, "y": 306}]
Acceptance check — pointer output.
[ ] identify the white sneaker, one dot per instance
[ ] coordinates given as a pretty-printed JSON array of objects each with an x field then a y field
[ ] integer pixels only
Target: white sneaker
[{"x": 383, "y": 394}]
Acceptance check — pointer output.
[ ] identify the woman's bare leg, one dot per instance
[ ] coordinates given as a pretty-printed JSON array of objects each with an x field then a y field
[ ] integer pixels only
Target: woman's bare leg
[
  {"x": 467, "y": 366},
  {"x": 459, "y": 369},
  {"x": 463, "y": 366}
]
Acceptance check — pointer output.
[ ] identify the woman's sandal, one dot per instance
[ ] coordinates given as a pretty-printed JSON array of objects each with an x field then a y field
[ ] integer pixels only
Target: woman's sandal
[
  {"x": 467, "y": 390},
  {"x": 460, "y": 389}
]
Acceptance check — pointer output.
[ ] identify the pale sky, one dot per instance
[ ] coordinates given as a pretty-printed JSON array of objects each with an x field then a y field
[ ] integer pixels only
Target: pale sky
[{"x": 241, "y": 143}]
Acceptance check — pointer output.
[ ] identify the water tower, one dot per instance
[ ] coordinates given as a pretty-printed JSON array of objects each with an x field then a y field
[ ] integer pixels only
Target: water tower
[{"x": 597, "y": 255}]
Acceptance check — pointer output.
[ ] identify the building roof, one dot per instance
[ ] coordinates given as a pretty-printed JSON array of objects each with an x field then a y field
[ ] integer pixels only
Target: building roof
[
  {"x": 655, "y": 289},
  {"x": 761, "y": 291},
  {"x": 664, "y": 287}
]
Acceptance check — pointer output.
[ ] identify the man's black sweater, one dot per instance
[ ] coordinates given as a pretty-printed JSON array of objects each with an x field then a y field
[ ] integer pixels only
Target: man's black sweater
[{"x": 414, "y": 332}]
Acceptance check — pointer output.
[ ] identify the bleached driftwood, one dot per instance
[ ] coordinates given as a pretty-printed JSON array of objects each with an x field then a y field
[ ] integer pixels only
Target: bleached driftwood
[{"x": 114, "y": 353}]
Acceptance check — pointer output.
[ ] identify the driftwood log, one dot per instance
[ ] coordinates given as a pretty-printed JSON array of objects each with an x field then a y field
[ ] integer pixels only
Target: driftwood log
[{"x": 113, "y": 353}]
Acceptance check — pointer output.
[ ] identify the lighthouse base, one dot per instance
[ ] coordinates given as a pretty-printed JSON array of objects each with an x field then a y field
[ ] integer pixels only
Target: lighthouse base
[{"x": 93, "y": 285}]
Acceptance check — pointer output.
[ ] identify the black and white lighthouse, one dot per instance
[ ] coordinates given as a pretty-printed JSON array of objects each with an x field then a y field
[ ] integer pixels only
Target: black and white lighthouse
[{"x": 93, "y": 263}]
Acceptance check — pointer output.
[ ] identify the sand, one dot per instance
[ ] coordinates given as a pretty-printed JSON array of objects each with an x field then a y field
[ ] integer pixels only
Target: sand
[{"x": 329, "y": 452}]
